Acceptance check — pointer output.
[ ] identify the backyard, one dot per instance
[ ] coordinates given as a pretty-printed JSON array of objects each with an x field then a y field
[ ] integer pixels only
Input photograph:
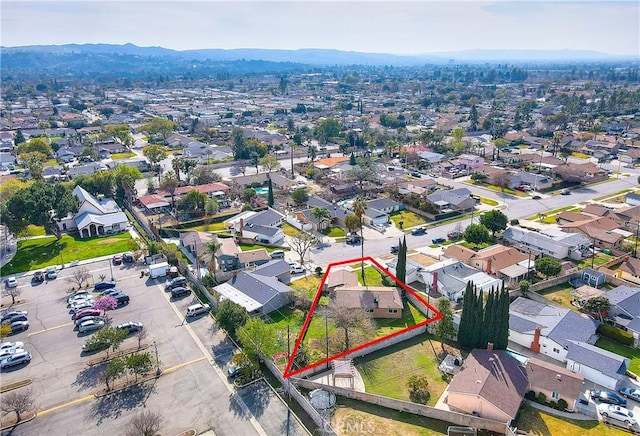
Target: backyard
[
  {"x": 560, "y": 294},
  {"x": 386, "y": 372},
  {"x": 599, "y": 259},
  {"x": 408, "y": 219},
  {"x": 538, "y": 423},
  {"x": 38, "y": 253},
  {"x": 631, "y": 353}
]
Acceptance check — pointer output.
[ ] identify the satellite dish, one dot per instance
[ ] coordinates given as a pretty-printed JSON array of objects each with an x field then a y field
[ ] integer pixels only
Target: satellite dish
[{"x": 321, "y": 399}]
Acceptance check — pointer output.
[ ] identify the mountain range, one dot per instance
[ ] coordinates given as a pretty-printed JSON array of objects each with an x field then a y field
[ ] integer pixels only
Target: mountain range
[{"x": 323, "y": 56}]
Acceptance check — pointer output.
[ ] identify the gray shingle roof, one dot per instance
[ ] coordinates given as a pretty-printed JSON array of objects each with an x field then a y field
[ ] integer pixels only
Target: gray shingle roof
[
  {"x": 262, "y": 230},
  {"x": 604, "y": 361},
  {"x": 626, "y": 299},
  {"x": 382, "y": 203},
  {"x": 264, "y": 218},
  {"x": 272, "y": 269},
  {"x": 258, "y": 287}
]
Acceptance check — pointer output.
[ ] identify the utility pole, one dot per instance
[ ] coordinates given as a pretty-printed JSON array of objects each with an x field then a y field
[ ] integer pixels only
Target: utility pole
[{"x": 158, "y": 372}]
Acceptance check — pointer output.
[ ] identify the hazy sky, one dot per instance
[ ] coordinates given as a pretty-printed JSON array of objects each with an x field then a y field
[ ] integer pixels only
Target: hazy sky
[{"x": 391, "y": 26}]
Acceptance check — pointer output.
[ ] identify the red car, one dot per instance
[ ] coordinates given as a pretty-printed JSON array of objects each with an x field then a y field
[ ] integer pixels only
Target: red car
[
  {"x": 86, "y": 312},
  {"x": 117, "y": 259}
]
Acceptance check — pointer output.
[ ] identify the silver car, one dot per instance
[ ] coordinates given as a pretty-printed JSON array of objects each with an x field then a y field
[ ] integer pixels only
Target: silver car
[
  {"x": 90, "y": 325},
  {"x": 15, "y": 359},
  {"x": 87, "y": 318},
  {"x": 11, "y": 345}
]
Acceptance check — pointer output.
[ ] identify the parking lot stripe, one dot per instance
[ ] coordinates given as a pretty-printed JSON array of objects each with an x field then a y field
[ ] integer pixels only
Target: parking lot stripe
[
  {"x": 52, "y": 328},
  {"x": 182, "y": 365},
  {"x": 65, "y": 405}
]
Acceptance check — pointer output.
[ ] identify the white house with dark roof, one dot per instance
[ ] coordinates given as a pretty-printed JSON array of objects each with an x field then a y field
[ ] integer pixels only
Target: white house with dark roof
[
  {"x": 597, "y": 365},
  {"x": 625, "y": 309},
  {"x": 551, "y": 242},
  {"x": 95, "y": 217},
  {"x": 549, "y": 329},
  {"x": 257, "y": 291},
  {"x": 265, "y": 234}
]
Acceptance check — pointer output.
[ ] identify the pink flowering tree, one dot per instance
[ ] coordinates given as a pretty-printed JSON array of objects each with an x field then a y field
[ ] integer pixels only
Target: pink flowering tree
[{"x": 105, "y": 303}]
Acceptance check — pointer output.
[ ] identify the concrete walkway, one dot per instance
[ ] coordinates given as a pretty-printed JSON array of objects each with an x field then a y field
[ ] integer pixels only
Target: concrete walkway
[
  {"x": 559, "y": 413},
  {"x": 326, "y": 378}
]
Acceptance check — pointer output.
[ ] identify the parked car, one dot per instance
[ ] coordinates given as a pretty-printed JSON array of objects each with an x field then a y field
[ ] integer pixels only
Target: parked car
[
  {"x": 16, "y": 359},
  {"x": 565, "y": 192},
  {"x": 38, "y": 277},
  {"x": 608, "y": 397},
  {"x": 111, "y": 292},
  {"x": 51, "y": 273},
  {"x": 418, "y": 231},
  {"x": 121, "y": 299},
  {"x": 174, "y": 283},
  {"x": 180, "y": 291},
  {"x": 18, "y": 326},
  {"x": 278, "y": 254},
  {"x": 100, "y": 286},
  {"x": 87, "y": 318},
  {"x": 234, "y": 371},
  {"x": 15, "y": 319},
  {"x": 439, "y": 240},
  {"x": 127, "y": 257},
  {"x": 12, "y": 314},
  {"x": 86, "y": 312},
  {"x": 90, "y": 325},
  {"x": 130, "y": 327},
  {"x": 394, "y": 249},
  {"x": 353, "y": 239},
  {"x": 9, "y": 352},
  {"x": 634, "y": 394},
  {"x": 76, "y": 294},
  {"x": 11, "y": 282},
  {"x": 81, "y": 305},
  {"x": 117, "y": 259},
  {"x": 297, "y": 269},
  {"x": 616, "y": 412},
  {"x": 197, "y": 309},
  {"x": 11, "y": 345},
  {"x": 454, "y": 235}
]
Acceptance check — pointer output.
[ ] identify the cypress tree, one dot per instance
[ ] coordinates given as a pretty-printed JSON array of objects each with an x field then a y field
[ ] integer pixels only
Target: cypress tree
[
  {"x": 478, "y": 327},
  {"x": 465, "y": 329},
  {"x": 488, "y": 328},
  {"x": 270, "y": 200},
  {"x": 401, "y": 266},
  {"x": 352, "y": 159},
  {"x": 502, "y": 333}
]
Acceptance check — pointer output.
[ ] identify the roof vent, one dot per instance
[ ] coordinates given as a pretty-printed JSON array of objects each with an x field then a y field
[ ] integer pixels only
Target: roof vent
[{"x": 558, "y": 377}]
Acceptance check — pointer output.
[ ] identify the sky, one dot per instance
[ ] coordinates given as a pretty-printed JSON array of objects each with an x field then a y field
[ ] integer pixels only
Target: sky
[{"x": 391, "y": 26}]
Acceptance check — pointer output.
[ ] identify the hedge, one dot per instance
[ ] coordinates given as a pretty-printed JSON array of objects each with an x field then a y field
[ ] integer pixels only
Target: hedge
[{"x": 616, "y": 334}]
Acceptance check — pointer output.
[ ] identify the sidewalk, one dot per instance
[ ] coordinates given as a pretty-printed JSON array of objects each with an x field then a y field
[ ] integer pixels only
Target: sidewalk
[{"x": 566, "y": 415}]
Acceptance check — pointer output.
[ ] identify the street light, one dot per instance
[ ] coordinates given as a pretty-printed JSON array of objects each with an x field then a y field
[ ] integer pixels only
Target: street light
[{"x": 111, "y": 268}]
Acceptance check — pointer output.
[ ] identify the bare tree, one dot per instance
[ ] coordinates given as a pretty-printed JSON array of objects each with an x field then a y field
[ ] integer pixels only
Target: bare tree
[
  {"x": 141, "y": 336},
  {"x": 13, "y": 293},
  {"x": 145, "y": 423},
  {"x": 18, "y": 401},
  {"x": 301, "y": 243},
  {"x": 79, "y": 276},
  {"x": 355, "y": 323}
]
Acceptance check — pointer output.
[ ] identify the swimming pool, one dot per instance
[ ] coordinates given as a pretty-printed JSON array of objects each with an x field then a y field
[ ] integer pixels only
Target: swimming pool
[{"x": 261, "y": 191}]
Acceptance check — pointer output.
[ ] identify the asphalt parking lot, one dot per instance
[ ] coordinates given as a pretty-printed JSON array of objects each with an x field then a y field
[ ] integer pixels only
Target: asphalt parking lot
[{"x": 193, "y": 391}]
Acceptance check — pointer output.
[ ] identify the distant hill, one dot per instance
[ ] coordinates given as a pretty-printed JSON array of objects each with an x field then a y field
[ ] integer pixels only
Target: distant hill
[{"x": 321, "y": 56}]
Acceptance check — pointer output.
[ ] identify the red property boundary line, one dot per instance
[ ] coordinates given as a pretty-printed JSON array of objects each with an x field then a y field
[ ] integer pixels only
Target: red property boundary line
[{"x": 307, "y": 321}]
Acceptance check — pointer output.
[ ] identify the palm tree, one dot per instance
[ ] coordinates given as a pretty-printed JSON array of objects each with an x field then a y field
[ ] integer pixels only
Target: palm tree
[
  {"x": 359, "y": 208},
  {"x": 320, "y": 213},
  {"x": 212, "y": 248}
]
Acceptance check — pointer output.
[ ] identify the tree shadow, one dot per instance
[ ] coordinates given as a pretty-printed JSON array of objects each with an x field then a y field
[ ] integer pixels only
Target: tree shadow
[
  {"x": 256, "y": 396},
  {"x": 112, "y": 406},
  {"x": 88, "y": 377},
  {"x": 223, "y": 353}
]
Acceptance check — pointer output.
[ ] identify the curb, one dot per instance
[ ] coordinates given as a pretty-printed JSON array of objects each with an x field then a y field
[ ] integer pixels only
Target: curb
[
  {"x": 102, "y": 393},
  {"x": 22, "y": 421},
  {"x": 98, "y": 361},
  {"x": 16, "y": 385}
]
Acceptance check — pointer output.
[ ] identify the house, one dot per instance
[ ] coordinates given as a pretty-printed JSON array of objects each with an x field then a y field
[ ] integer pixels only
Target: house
[
  {"x": 95, "y": 217},
  {"x": 377, "y": 301},
  {"x": 548, "y": 329},
  {"x": 259, "y": 179},
  {"x": 227, "y": 254},
  {"x": 551, "y": 242},
  {"x": 140, "y": 163},
  {"x": 536, "y": 181},
  {"x": 631, "y": 157},
  {"x": 597, "y": 365},
  {"x": 491, "y": 384},
  {"x": 491, "y": 259},
  {"x": 385, "y": 205},
  {"x": 265, "y": 234},
  {"x": 625, "y": 310},
  {"x": 630, "y": 270},
  {"x": 459, "y": 200},
  {"x": 603, "y": 231},
  {"x": 153, "y": 203},
  {"x": 87, "y": 169},
  {"x": 196, "y": 242},
  {"x": 601, "y": 149},
  {"x": 566, "y": 217},
  {"x": 268, "y": 217},
  {"x": 632, "y": 199},
  {"x": 587, "y": 172},
  {"x": 627, "y": 217},
  {"x": 449, "y": 277},
  {"x": 471, "y": 161},
  {"x": 555, "y": 382},
  {"x": 340, "y": 277},
  {"x": 255, "y": 291},
  {"x": 326, "y": 164},
  {"x": 211, "y": 190}
]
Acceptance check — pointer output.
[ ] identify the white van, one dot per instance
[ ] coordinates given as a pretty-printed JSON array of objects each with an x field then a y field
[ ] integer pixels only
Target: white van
[
  {"x": 278, "y": 254},
  {"x": 197, "y": 309}
]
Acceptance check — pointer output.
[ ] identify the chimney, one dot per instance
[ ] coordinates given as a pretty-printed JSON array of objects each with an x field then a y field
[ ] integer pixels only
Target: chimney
[
  {"x": 489, "y": 266},
  {"x": 434, "y": 285},
  {"x": 241, "y": 225},
  {"x": 535, "y": 344},
  {"x": 489, "y": 346}
]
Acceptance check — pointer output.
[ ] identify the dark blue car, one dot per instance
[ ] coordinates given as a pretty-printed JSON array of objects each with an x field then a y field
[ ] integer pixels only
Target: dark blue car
[
  {"x": 608, "y": 397},
  {"x": 100, "y": 286}
]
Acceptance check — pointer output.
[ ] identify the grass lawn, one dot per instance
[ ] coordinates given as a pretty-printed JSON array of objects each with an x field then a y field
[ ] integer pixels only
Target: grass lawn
[
  {"x": 488, "y": 201},
  {"x": 309, "y": 285},
  {"x": 599, "y": 260},
  {"x": 249, "y": 247},
  {"x": 579, "y": 155},
  {"x": 622, "y": 350},
  {"x": 409, "y": 219},
  {"x": 386, "y": 372},
  {"x": 538, "y": 423},
  {"x": 38, "y": 253},
  {"x": 560, "y": 294},
  {"x": 353, "y": 417},
  {"x": 33, "y": 230},
  {"x": 498, "y": 189},
  {"x": 120, "y": 156},
  {"x": 410, "y": 316},
  {"x": 289, "y": 230},
  {"x": 335, "y": 232},
  {"x": 212, "y": 227},
  {"x": 373, "y": 276}
]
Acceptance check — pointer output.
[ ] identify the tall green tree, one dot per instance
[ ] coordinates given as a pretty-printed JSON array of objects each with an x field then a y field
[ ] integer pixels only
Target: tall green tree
[
  {"x": 467, "y": 318},
  {"x": 494, "y": 220},
  {"x": 476, "y": 233},
  {"x": 359, "y": 209},
  {"x": 501, "y": 338},
  {"x": 155, "y": 153},
  {"x": 231, "y": 316},
  {"x": 548, "y": 266},
  {"x": 444, "y": 328},
  {"x": 158, "y": 128},
  {"x": 258, "y": 338},
  {"x": 270, "y": 199},
  {"x": 401, "y": 266}
]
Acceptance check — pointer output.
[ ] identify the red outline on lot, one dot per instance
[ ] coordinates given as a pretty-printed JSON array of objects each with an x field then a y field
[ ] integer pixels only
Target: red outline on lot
[{"x": 307, "y": 321}]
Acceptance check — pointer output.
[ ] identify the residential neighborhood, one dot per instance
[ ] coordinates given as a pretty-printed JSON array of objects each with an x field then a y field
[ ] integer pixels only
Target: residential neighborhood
[{"x": 458, "y": 243}]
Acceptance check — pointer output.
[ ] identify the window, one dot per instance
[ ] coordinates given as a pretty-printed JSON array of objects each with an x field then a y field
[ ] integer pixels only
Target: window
[
  {"x": 555, "y": 395},
  {"x": 556, "y": 350},
  {"x": 393, "y": 310},
  {"x": 368, "y": 310},
  {"x": 116, "y": 226}
]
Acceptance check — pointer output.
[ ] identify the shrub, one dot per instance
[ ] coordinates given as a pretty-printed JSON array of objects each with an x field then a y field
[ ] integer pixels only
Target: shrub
[
  {"x": 616, "y": 334},
  {"x": 562, "y": 404},
  {"x": 514, "y": 222},
  {"x": 553, "y": 405},
  {"x": 418, "y": 389},
  {"x": 530, "y": 395},
  {"x": 542, "y": 398},
  {"x": 318, "y": 271}
]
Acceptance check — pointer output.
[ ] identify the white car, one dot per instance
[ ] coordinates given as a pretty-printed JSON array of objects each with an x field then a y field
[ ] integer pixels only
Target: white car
[
  {"x": 8, "y": 352},
  {"x": 90, "y": 325},
  {"x": 297, "y": 269},
  {"x": 616, "y": 412},
  {"x": 11, "y": 345},
  {"x": 80, "y": 305},
  {"x": 77, "y": 294},
  {"x": 11, "y": 282}
]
